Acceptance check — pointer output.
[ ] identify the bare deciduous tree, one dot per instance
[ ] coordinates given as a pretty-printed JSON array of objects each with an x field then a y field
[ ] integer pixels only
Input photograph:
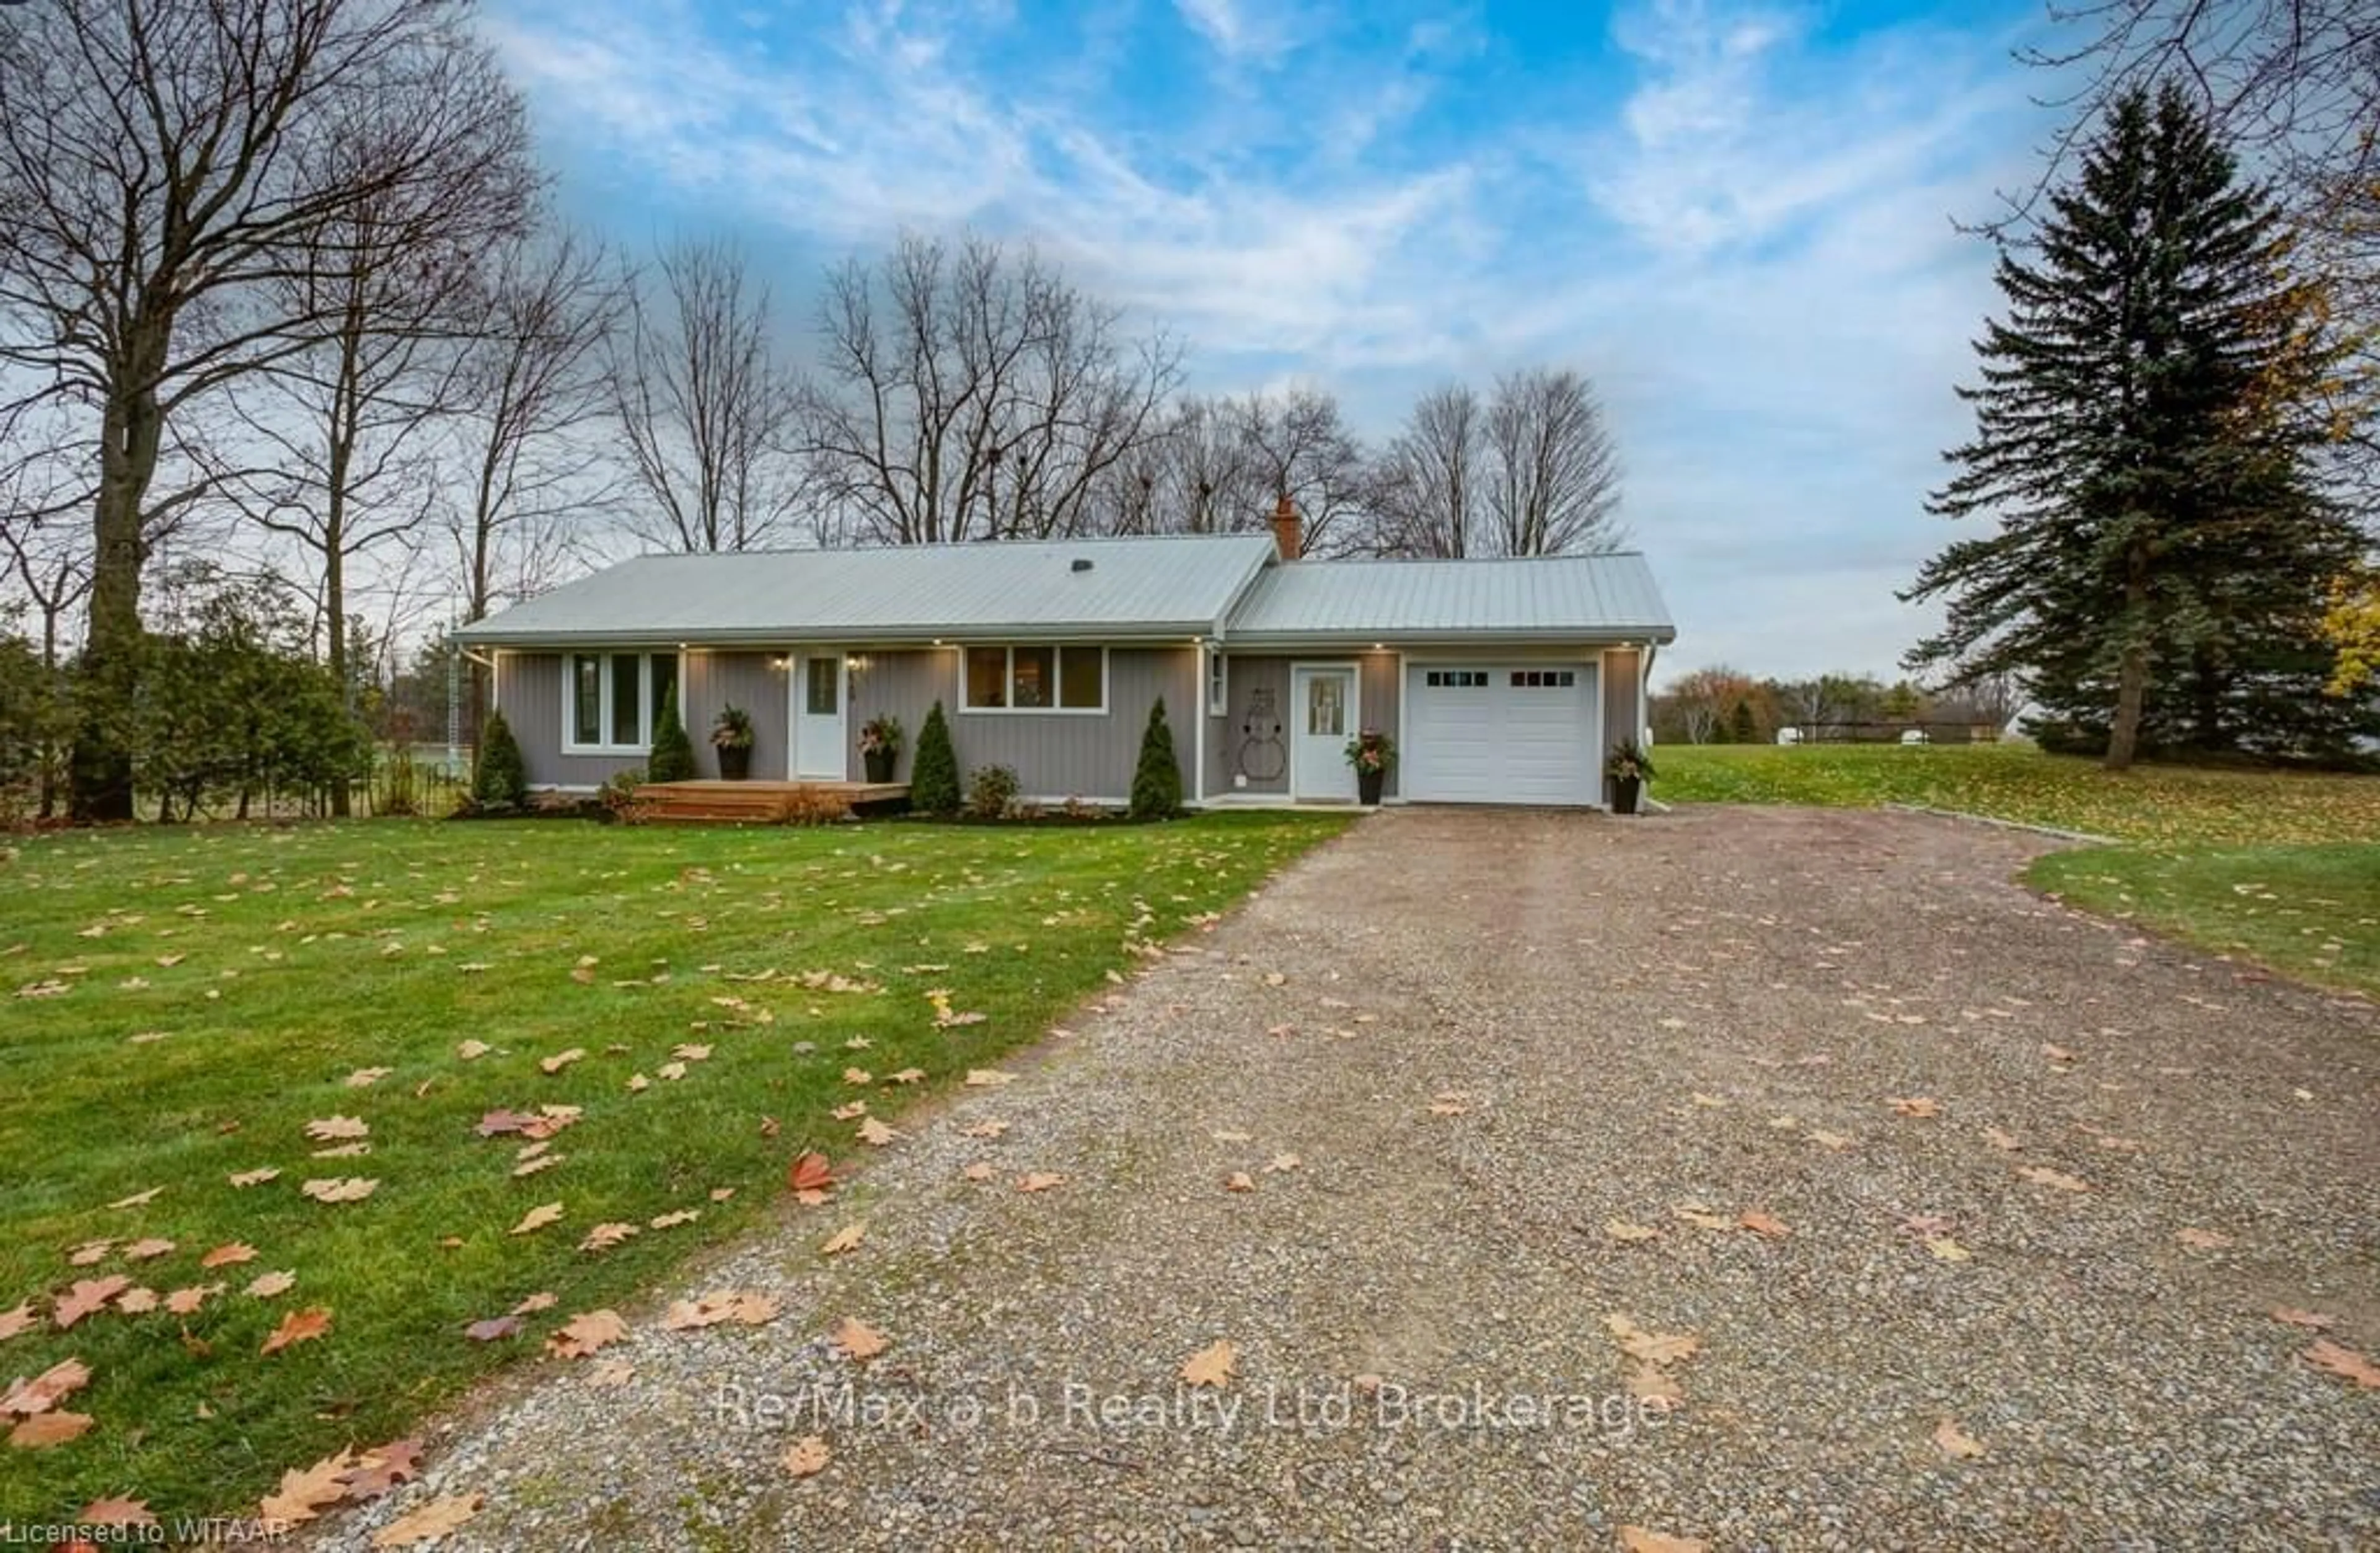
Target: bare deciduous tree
[
  {"x": 533, "y": 382},
  {"x": 704, "y": 409},
  {"x": 973, "y": 394},
  {"x": 1553, "y": 486},
  {"x": 1297, "y": 443},
  {"x": 346, "y": 427},
  {"x": 157, "y": 164},
  {"x": 1428, "y": 488}
]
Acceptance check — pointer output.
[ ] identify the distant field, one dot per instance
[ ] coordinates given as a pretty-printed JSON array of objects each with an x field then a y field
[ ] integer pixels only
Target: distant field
[
  {"x": 2157, "y": 805},
  {"x": 2279, "y": 867}
]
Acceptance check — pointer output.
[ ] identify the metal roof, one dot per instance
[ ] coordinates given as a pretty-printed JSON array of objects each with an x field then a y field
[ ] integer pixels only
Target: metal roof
[
  {"x": 1545, "y": 598},
  {"x": 1160, "y": 586}
]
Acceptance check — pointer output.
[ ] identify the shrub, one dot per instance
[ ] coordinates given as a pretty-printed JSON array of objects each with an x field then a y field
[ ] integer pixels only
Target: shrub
[
  {"x": 618, "y": 795},
  {"x": 500, "y": 781},
  {"x": 397, "y": 789},
  {"x": 673, "y": 753},
  {"x": 1156, "y": 785},
  {"x": 991, "y": 791},
  {"x": 934, "y": 777},
  {"x": 807, "y": 805}
]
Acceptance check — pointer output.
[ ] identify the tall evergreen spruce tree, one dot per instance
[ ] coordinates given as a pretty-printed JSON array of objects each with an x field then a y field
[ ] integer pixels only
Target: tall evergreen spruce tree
[{"x": 2144, "y": 441}]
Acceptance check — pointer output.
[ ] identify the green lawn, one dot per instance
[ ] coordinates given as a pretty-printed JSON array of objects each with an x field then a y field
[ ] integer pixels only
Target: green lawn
[
  {"x": 2152, "y": 805},
  {"x": 2313, "y": 911},
  {"x": 179, "y": 1005},
  {"x": 2279, "y": 866}
]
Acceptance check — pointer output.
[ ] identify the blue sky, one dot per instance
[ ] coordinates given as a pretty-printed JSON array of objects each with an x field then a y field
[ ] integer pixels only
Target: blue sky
[{"x": 1737, "y": 218}]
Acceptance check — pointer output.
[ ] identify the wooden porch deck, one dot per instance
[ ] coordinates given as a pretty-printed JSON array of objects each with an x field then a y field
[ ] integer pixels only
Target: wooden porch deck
[{"x": 717, "y": 802}]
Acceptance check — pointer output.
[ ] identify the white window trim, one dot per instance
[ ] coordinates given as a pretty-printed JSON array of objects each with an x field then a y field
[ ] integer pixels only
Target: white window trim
[
  {"x": 1008, "y": 678},
  {"x": 645, "y": 712},
  {"x": 1219, "y": 685}
]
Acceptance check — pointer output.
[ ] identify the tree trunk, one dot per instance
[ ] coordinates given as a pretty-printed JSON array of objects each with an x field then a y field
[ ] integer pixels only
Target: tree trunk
[
  {"x": 100, "y": 780},
  {"x": 2133, "y": 671}
]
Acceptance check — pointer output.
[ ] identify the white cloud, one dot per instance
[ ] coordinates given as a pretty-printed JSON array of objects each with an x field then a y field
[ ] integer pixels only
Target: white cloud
[{"x": 1750, "y": 247}]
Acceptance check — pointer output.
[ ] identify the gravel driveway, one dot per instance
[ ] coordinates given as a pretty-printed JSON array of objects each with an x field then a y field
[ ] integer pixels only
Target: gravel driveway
[{"x": 1499, "y": 1046}]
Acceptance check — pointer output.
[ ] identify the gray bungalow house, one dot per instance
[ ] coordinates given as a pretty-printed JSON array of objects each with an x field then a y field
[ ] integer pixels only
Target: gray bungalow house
[{"x": 1502, "y": 681}]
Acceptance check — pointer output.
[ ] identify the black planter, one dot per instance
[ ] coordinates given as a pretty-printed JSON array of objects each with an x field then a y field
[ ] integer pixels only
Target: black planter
[
  {"x": 1624, "y": 794},
  {"x": 735, "y": 761},
  {"x": 1368, "y": 784},
  {"x": 880, "y": 763}
]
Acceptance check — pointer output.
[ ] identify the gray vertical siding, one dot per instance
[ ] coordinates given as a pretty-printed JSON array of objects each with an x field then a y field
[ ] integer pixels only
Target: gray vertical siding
[
  {"x": 1054, "y": 756},
  {"x": 529, "y": 692},
  {"x": 1622, "y": 717},
  {"x": 1063, "y": 756},
  {"x": 1238, "y": 743}
]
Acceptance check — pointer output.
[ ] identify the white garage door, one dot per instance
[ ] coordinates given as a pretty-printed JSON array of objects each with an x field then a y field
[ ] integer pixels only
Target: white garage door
[{"x": 1499, "y": 733}]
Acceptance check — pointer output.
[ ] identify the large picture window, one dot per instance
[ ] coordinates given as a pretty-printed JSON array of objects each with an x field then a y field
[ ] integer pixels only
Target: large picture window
[
  {"x": 610, "y": 701},
  {"x": 1036, "y": 678}
]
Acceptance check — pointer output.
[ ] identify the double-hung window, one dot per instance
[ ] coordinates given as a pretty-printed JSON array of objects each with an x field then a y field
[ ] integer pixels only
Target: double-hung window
[
  {"x": 1036, "y": 678},
  {"x": 609, "y": 701}
]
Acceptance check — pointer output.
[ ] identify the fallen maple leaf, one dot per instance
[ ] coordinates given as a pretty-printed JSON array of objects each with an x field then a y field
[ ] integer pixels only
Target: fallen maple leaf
[
  {"x": 471, "y": 1051},
  {"x": 583, "y": 1335},
  {"x": 810, "y": 1172},
  {"x": 1944, "y": 1248},
  {"x": 61, "y": 1380},
  {"x": 332, "y": 1129},
  {"x": 534, "y": 1303},
  {"x": 364, "y": 1078},
  {"x": 1281, "y": 1163},
  {"x": 2057, "y": 1054},
  {"x": 1211, "y": 1365},
  {"x": 562, "y": 1059},
  {"x": 271, "y": 1284},
  {"x": 982, "y": 1169},
  {"x": 537, "y": 1219},
  {"x": 254, "y": 1178},
  {"x": 987, "y": 1128},
  {"x": 854, "y": 1339},
  {"x": 298, "y": 1326},
  {"x": 1825, "y": 1139},
  {"x": 611, "y": 1372},
  {"x": 1627, "y": 1234},
  {"x": 305, "y": 1494},
  {"x": 384, "y": 1467},
  {"x": 493, "y": 1328},
  {"x": 874, "y": 1133},
  {"x": 807, "y": 1457},
  {"x": 2000, "y": 1138},
  {"x": 116, "y": 1512},
  {"x": 846, "y": 1239},
  {"x": 147, "y": 1250},
  {"x": 2202, "y": 1240},
  {"x": 1650, "y": 1384},
  {"x": 1764, "y": 1225},
  {"x": 1039, "y": 1180},
  {"x": 1917, "y": 1106},
  {"x": 136, "y": 1301},
  {"x": 672, "y": 1221},
  {"x": 340, "y": 1188},
  {"x": 851, "y": 1112},
  {"x": 226, "y": 1255},
  {"x": 2312, "y": 1320},
  {"x": 429, "y": 1522},
  {"x": 16, "y": 1322},
  {"x": 89, "y": 1251},
  {"x": 47, "y": 1429},
  {"x": 2344, "y": 1363},
  {"x": 87, "y": 1297},
  {"x": 1639, "y": 1539},
  {"x": 1239, "y": 1180},
  {"x": 604, "y": 1237},
  {"x": 2041, "y": 1175},
  {"x": 1956, "y": 1443}
]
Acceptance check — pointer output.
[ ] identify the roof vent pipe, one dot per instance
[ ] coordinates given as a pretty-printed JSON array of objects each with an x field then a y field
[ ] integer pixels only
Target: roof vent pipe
[{"x": 1082, "y": 564}]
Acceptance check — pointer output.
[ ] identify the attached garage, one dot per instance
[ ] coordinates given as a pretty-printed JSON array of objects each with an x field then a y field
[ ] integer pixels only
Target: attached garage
[{"x": 1510, "y": 732}]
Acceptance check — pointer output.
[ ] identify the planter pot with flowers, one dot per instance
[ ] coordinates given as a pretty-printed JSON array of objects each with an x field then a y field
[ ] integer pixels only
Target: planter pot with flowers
[
  {"x": 879, "y": 746},
  {"x": 1628, "y": 768},
  {"x": 731, "y": 735},
  {"x": 1374, "y": 755}
]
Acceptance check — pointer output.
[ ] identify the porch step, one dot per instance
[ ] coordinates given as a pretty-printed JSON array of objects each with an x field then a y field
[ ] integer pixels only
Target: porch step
[{"x": 717, "y": 802}]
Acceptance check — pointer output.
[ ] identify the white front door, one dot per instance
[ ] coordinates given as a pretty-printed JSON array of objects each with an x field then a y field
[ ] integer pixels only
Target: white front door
[
  {"x": 1322, "y": 718},
  {"x": 819, "y": 695}
]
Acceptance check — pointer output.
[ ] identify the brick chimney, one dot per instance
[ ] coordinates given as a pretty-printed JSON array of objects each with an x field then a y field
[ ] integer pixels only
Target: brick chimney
[{"x": 1287, "y": 532}]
